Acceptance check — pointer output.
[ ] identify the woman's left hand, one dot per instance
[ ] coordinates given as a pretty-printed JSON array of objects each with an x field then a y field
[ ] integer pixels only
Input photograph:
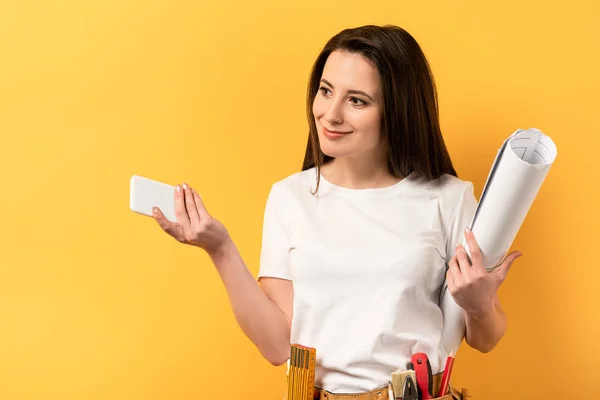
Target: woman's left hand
[{"x": 471, "y": 285}]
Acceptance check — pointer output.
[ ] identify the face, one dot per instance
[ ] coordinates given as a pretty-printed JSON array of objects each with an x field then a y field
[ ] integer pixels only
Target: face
[{"x": 348, "y": 107}]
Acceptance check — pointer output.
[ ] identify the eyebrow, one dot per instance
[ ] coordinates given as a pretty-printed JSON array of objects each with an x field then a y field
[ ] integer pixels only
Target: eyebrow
[{"x": 350, "y": 91}]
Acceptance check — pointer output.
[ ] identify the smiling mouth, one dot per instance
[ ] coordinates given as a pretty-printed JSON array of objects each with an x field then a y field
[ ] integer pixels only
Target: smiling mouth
[{"x": 333, "y": 134}]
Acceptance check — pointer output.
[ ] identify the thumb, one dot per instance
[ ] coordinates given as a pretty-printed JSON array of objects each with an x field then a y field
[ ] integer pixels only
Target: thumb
[
  {"x": 162, "y": 221},
  {"x": 502, "y": 270}
]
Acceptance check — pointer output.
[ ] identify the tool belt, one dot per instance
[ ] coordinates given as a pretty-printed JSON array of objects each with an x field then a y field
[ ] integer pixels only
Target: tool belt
[
  {"x": 301, "y": 378},
  {"x": 384, "y": 393}
]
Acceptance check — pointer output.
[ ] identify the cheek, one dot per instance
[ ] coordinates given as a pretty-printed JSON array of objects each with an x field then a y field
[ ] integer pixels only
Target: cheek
[
  {"x": 369, "y": 123},
  {"x": 317, "y": 107}
]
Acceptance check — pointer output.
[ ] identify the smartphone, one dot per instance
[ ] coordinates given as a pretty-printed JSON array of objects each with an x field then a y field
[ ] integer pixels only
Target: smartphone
[{"x": 145, "y": 193}]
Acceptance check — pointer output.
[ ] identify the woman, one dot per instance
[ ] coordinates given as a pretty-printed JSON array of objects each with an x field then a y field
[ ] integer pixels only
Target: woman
[{"x": 358, "y": 245}]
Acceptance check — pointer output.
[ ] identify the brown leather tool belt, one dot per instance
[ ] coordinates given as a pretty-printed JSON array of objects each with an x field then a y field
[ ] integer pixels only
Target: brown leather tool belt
[{"x": 383, "y": 393}]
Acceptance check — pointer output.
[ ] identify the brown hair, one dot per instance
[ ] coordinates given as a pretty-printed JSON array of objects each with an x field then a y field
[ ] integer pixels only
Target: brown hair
[{"x": 410, "y": 117}]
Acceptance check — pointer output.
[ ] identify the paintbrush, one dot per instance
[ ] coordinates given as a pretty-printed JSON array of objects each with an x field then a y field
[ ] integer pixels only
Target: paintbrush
[{"x": 398, "y": 378}]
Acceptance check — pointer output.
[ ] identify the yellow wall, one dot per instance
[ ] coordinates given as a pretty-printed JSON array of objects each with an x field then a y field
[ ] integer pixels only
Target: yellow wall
[{"x": 97, "y": 303}]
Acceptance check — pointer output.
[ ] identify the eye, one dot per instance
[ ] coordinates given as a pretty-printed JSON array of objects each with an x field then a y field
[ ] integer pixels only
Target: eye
[
  {"x": 357, "y": 102},
  {"x": 324, "y": 91}
]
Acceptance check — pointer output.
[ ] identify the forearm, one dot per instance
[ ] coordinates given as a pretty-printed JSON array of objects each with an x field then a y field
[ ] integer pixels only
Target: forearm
[
  {"x": 258, "y": 317},
  {"x": 484, "y": 330}
]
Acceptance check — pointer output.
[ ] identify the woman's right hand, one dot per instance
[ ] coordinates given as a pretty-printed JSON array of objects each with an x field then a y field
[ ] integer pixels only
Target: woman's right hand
[{"x": 194, "y": 226}]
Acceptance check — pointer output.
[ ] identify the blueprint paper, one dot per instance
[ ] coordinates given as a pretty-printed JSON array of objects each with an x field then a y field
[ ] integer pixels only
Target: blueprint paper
[
  {"x": 514, "y": 181},
  {"x": 520, "y": 167}
]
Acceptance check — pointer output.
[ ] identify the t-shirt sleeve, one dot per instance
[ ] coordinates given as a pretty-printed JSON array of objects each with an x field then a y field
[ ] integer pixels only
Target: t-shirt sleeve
[
  {"x": 462, "y": 217},
  {"x": 275, "y": 245}
]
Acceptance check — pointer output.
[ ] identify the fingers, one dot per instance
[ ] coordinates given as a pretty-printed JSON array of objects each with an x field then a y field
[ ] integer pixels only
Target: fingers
[
  {"x": 180, "y": 209},
  {"x": 200, "y": 206},
  {"x": 189, "y": 212},
  {"x": 503, "y": 268},
  {"x": 474, "y": 250},
  {"x": 171, "y": 228},
  {"x": 190, "y": 206},
  {"x": 463, "y": 260},
  {"x": 454, "y": 275},
  {"x": 450, "y": 281}
]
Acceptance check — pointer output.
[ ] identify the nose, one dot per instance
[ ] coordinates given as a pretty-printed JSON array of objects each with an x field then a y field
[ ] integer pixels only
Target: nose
[{"x": 334, "y": 114}]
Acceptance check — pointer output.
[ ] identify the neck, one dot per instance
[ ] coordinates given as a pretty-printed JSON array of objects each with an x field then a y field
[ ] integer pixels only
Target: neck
[{"x": 359, "y": 173}]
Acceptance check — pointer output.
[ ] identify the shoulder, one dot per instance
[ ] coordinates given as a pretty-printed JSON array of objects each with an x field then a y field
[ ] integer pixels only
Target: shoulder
[
  {"x": 453, "y": 194},
  {"x": 298, "y": 183},
  {"x": 451, "y": 187},
  {"x": 293, "y": 187}
]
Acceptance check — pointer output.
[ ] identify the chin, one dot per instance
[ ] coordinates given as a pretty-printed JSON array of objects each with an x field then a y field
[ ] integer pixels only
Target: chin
[{"x": 333, "y": 150}]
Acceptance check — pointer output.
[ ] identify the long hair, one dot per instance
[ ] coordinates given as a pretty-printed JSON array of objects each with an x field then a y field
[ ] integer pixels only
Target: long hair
[{"x": 410, "y": 117}]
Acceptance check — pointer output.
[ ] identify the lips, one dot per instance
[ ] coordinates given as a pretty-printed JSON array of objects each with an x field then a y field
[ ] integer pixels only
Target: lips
[{"x": 333, "y": 134}]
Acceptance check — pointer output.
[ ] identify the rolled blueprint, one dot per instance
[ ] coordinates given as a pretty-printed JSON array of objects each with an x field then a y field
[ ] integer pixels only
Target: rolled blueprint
[
  {"x": 514, "y": 181},
  {"x": 520, "y": 167}
]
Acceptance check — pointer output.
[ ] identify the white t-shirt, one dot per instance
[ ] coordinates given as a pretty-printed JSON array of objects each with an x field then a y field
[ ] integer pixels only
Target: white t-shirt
[{"x": 367, "y": 267}]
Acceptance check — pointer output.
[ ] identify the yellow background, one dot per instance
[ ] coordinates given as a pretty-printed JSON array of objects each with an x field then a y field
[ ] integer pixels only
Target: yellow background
[{"x": 96, "y": 302}]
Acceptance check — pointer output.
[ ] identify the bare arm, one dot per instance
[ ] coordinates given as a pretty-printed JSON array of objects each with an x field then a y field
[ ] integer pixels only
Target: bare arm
[
  {"x": 264, "y": 311},
  {"x": 484, "y": 330},
  {"x": 475, "y": 291}
]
